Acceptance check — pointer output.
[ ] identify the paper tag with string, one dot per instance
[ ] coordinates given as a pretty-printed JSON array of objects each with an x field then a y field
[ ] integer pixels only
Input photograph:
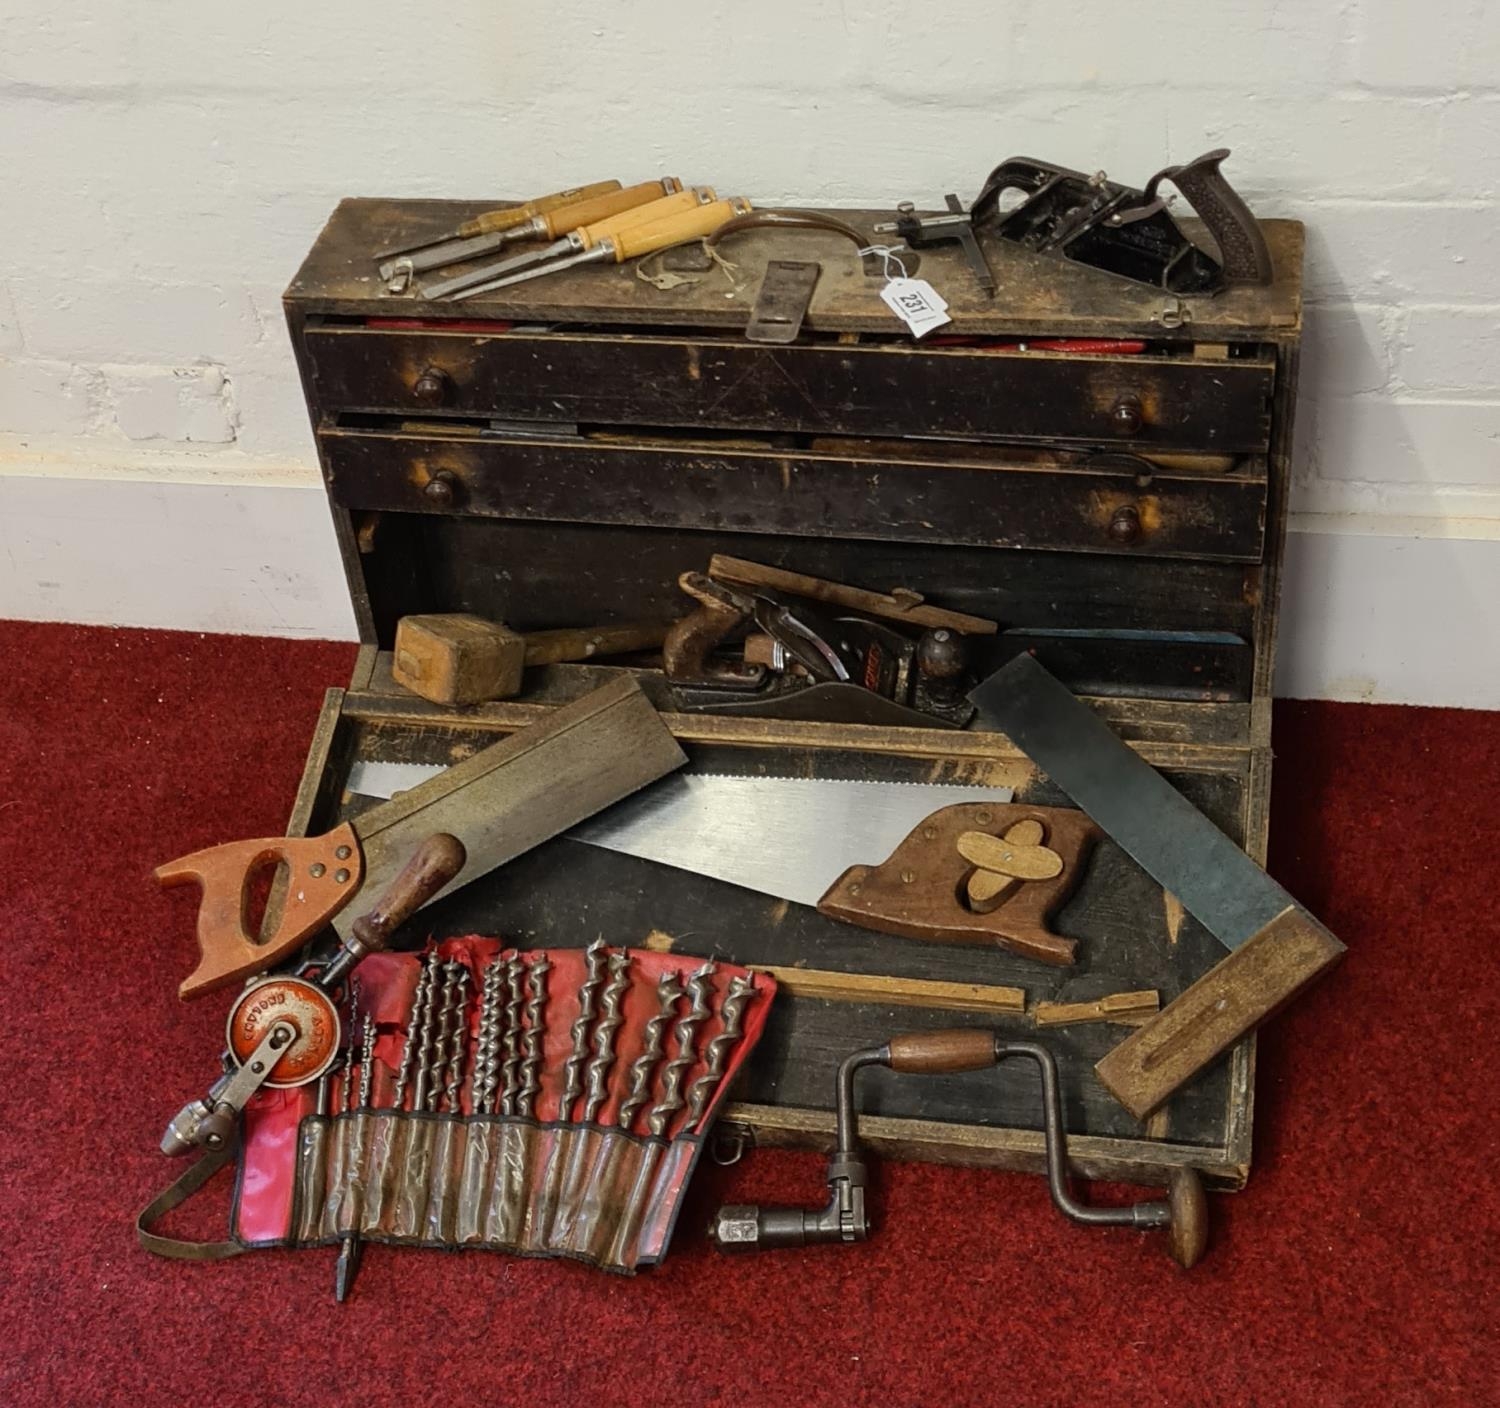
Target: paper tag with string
[{"x": 920, "y": 306}]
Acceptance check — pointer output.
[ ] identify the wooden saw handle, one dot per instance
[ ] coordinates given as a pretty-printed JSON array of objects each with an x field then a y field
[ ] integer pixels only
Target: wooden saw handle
[
  {"x": 921, "y": 890},
  {"x": 323, "y": 874},
  {"x": 493, "y": 221}
]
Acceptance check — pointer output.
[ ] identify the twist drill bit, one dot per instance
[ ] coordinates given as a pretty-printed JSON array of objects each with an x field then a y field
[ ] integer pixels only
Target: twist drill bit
[
  {"x": 732, "y": 1013},
  {"x": 643, "y": 1068},
  {"x": 573, "y": 1068},
  {"x": 421, "y": 1008},
  {"x": 458, "y": 1039},
  {"x": 531, "y": 1065},
  {"x": 366, "y": 1062},
  {"x": 358, "y": 1020},
  {"x": 483, "y": 1097},
  {"x": 510, "y": 1071},
  {"x": 698, "y": 988},
  {"x": 610, "y": 1018},
  {"x": 434, "y": 1036}
]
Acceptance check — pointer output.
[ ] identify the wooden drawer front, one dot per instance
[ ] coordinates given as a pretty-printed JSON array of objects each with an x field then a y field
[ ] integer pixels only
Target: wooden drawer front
[
  {"x": 1219, "y": 406},
  {"x": 800, "y": 494}
]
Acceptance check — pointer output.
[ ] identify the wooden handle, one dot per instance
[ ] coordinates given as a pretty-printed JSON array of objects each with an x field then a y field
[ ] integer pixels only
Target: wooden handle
[
  {"x": 648, "y": 214},
  {"x": 437, "y": 860},
  {"x": 557, "y": 647},
  {"x": 493, "y": 221},
  {"x": 934, "y": 1053},
  {"x": 1252, "y": 984},
  {"x": 589, "y": 212},
  {"x": 323, "y": 873},
  {"x": 1006, "y": 856},
  {"x": 1189, "y": 1207},
  {"x": 678, "y": 229}
]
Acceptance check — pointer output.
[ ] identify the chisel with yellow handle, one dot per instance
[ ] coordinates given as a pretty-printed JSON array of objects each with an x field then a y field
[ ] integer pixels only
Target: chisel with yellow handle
[
  {"x": 578, "y": 238},
  {"x": 633, "y": 243},
  {"x": 547, "y": 225},
  {"x": 494, "y": 220}
]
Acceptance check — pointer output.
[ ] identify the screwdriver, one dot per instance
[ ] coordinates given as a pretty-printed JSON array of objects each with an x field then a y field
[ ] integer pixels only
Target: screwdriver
[
  {"x": 546, "y": 225},
  {"x": 576, "y": 240},
  {"x": 493, "y": 220},
  {"x": 633, "y": 243}
]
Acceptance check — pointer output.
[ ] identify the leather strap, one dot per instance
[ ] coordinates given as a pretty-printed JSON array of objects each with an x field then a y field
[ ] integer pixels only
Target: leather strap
[{"x": 174, "y": 1196}]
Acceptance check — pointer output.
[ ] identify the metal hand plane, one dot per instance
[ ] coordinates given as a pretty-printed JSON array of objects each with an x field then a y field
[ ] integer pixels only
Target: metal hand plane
[{"x": 1127, "y": 232}]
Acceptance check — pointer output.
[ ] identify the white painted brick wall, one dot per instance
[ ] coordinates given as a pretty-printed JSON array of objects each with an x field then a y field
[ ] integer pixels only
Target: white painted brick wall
[{"x": 167, "y": 166}]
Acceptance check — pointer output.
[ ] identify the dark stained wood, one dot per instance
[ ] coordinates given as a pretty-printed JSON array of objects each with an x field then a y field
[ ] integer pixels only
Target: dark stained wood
[
  {"x": 799, "y": 495},
  {"x": 1178, "y": 648},
  {"x": 1038, "y": 295},
  {"x": 809, "y": 388},
  {"x": 538, "y": 575}
]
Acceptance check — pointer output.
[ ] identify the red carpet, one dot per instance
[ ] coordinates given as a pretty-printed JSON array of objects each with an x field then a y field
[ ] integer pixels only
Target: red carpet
[{"x": 1359, "y": 1266}]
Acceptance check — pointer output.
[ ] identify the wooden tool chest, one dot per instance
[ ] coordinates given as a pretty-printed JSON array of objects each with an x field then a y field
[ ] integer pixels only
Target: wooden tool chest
[{"x": 557, "y": 453}]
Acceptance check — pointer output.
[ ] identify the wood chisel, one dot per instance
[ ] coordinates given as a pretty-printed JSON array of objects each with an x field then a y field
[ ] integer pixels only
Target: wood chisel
[
  {"x": 499, "y": 803},
  {"x": 508, "y": 218},
  {"x": 547, "y": 225},
  {"x": 576, "y": 240},
  {"x": 1277, "y": 947},
  {"x": 633, "y": 243}
]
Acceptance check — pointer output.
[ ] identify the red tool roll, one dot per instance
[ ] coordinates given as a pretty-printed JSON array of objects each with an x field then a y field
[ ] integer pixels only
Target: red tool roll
[{"x": 547, "y": 1103}]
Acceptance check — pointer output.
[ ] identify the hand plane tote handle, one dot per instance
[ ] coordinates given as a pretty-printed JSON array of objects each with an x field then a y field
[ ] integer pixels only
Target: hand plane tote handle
[{"x": 1242, "y": 247}]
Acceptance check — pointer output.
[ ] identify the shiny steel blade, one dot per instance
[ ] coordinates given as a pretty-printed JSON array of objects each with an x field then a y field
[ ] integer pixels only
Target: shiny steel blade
[
  {"x": 435, "y": 256},
  {"x": 457, "y": 283},
  {"x": 587, "y": 256},
  {"x": 790, "y": 837},
  {"x": 787, "y": 837}
]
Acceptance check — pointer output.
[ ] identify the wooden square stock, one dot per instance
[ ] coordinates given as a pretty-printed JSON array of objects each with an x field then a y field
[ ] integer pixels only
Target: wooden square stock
[{"x": 1257, "y": 979}]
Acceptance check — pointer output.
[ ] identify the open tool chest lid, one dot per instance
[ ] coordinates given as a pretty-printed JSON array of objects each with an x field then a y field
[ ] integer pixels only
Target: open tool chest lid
[{"x": 558, "y": 454}]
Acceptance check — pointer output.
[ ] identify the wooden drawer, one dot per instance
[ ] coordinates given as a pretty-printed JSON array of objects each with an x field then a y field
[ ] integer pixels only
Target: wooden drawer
[
  {"x": 920, "y": 497},
  {"x": 1218, "y": 406}
]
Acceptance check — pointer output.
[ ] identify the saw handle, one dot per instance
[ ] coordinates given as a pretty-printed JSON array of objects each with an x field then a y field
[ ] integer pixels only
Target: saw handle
[
  {"x": 436, "y": 861},
  {"x": 937, "y": 1053},
  {"x": 493, "y": 221},
  {"x": 323, "y": 873}
]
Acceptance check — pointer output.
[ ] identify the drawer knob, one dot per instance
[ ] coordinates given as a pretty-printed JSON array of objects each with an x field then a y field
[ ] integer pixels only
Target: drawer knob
[
  {"x": 442, "y": 489},
  {"x": 1127, "y": 415},
  {"x": 1125, "y": 525},
  {"x": 432, "y": 387}
]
